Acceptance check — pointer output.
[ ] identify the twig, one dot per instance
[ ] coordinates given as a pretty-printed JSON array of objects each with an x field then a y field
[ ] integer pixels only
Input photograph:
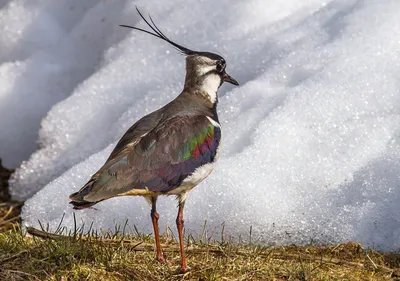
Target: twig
[
  {"x": 372, "y": 262},
  {"x": 141, "y": 246},
  {"x": 24, "y": 273},
  {"x": 9, "y": 220},
  {"x": 8, "y": 212},
  {"x": 12, "y": 257},
  {"x": 46, "y": 235}
]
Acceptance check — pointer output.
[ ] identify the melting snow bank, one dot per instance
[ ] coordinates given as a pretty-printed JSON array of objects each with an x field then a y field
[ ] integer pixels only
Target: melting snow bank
[{"x": 310, "y": 140}]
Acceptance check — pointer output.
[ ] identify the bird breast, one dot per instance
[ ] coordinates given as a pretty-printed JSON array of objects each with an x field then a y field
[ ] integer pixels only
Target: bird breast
[
  {"x": 199, "y": 174},
  {"x": 194, "y": 179}
]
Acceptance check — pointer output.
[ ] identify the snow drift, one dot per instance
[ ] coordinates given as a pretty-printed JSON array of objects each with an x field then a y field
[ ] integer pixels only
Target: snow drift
[{"x": 310, "y": 147}]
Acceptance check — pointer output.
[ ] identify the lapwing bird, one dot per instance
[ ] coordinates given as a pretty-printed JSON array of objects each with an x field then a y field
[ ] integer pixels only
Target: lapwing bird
[{"x": 169, "y": 151}]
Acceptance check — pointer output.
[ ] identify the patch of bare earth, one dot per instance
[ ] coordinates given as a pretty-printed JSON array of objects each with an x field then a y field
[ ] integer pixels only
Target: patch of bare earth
[{"x": 9, "y": 210}]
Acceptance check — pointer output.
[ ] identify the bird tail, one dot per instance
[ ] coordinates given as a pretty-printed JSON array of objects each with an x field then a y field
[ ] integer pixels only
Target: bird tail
[{"x": 77, "y": 198}]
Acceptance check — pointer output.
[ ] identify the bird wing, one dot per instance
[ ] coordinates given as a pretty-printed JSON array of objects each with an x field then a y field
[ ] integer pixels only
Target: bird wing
[
  {"x": 159, "y": 160},
  {"x": 135, "y": 133}
]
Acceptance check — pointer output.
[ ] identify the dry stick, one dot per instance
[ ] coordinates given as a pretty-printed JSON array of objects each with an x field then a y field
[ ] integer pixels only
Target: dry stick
[
  {"x": 13, "y": 256},
  {"x": 372, "y": 261},
  {"x": 8, "y": 212},
  {"x": 8, "y": 221},
  {"x": 141, "y": 246},
  {"x": 168, "y": 248},
  {"x": 23, "y": 273},
  {"x": 46, "y": 235}
]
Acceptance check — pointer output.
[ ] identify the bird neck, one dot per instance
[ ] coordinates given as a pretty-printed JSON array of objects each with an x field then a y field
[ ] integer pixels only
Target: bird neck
[
  {"x": 196, "y": 102},
  {"x": 200, "y": 97},
  {"x": 204, "y": 86}
]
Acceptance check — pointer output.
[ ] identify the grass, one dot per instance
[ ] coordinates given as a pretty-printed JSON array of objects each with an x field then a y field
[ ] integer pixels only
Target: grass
[
  {"x": 117, "y": 256},
  {"x": 41, "y": 255}
]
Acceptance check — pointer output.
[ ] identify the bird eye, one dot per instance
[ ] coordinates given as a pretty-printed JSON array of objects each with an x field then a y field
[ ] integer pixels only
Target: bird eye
[{"x": 220, "y": 65}]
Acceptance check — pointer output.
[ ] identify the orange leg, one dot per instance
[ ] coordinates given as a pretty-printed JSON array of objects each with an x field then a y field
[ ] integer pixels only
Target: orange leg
[
  {"x": 179, "y": 225},
  {"x": 154, "y": 219}
]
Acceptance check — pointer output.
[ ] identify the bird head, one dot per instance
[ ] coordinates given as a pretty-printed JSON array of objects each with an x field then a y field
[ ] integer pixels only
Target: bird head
[{"x": 204, "y": 70}]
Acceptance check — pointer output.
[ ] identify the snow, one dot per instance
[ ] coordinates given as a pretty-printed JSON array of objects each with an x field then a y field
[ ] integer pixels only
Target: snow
[{"x": 310, "y": 138}]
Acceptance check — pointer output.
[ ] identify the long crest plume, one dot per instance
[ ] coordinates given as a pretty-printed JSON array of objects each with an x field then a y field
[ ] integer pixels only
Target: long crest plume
[{"x": 159, "y": 34}]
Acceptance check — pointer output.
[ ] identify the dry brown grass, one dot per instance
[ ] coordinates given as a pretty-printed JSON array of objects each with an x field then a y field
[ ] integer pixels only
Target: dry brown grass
[{"x": 47, "y": 256}]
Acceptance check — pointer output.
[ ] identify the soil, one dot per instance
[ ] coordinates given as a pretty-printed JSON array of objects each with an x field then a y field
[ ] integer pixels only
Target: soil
[
  {"x": 10, "y": 210},
  {"x": 4, "y": 176}
]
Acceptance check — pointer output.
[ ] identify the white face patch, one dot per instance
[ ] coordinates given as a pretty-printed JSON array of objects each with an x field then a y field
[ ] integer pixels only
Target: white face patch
[
  {"x": 203, "y": 69},
  {"x": 210, "y": 85}
]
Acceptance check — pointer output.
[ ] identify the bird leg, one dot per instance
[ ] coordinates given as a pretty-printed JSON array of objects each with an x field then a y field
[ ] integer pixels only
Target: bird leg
[
  {"x": 179, "y": 225},
  {"x": 154, "y": 218}
]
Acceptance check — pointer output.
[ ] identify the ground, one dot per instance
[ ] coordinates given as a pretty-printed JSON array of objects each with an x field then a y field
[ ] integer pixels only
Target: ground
[{"x": 39, "y": 255}]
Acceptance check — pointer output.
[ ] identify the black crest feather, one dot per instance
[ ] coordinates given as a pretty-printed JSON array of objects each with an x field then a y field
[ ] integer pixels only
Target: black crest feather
[{"x": 159, "y": 34}]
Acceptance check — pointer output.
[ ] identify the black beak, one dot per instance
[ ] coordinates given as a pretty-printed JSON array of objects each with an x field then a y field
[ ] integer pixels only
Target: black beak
[{"x": 229, "y": 79}]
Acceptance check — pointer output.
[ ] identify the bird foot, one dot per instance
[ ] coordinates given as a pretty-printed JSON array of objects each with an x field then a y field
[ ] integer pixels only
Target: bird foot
[
  {"x": 183, "y": 269},
  {"x": 161, "y": 259}
]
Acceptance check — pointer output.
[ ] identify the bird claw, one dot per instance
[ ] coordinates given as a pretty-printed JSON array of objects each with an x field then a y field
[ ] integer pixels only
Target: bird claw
[
  {"x": 161, "y": 259},
  {"x": 183, "y": 270}
]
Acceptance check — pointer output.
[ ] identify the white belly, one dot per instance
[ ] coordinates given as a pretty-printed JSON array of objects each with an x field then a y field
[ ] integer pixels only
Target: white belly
[{"x": 194, "y": 179}]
